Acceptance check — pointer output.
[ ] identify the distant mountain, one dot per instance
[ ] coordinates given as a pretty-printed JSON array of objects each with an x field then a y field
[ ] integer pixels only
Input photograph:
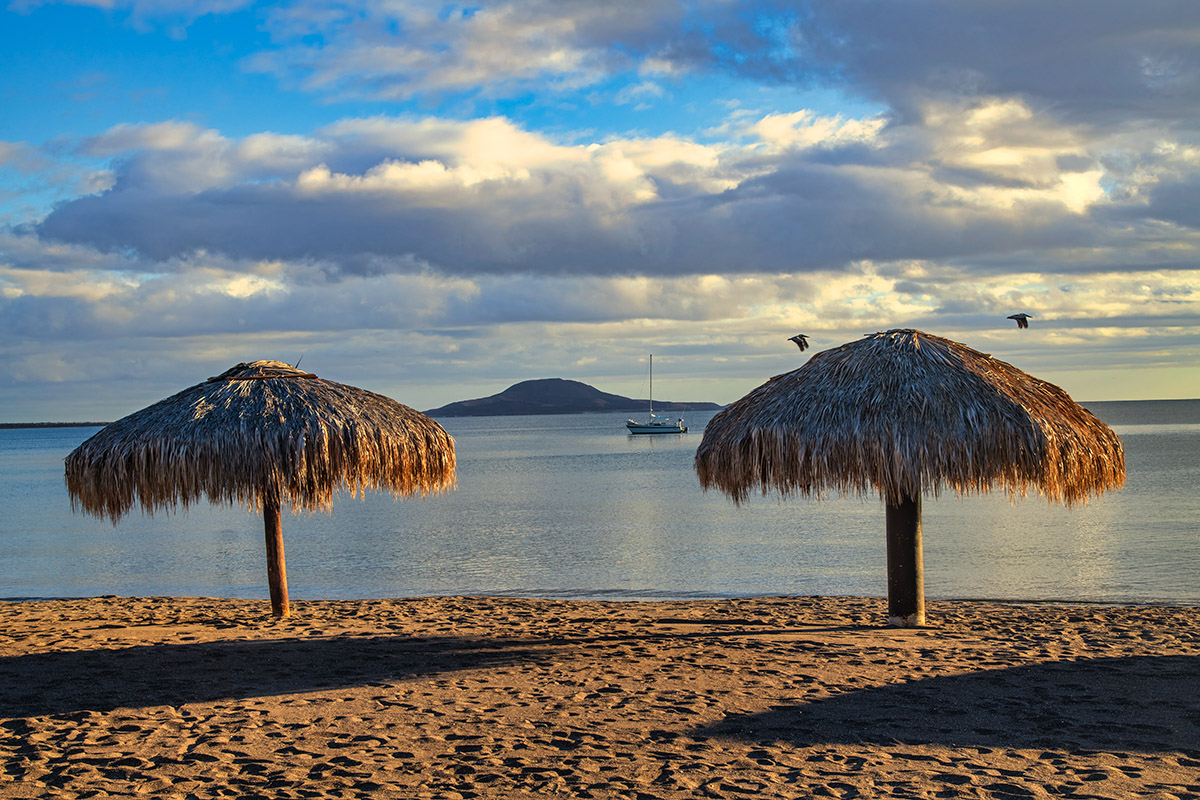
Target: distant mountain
[{"x": 556, "y": 396}]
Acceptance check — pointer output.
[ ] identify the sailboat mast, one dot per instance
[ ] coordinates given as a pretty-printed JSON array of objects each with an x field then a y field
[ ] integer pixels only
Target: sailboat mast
[{"x": 652, "y": 384}]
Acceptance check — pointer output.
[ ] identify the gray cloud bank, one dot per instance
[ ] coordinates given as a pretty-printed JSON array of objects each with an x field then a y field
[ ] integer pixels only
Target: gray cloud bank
[
  {"x": 1103, "y": 63},
  {"x": 746, "y": 211}
]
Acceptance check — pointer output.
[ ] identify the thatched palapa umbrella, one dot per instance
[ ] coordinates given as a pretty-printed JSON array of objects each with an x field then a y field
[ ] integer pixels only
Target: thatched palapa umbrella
[
  {"x": 901, "y": 413},
  {"x": 263, "y": 435}
]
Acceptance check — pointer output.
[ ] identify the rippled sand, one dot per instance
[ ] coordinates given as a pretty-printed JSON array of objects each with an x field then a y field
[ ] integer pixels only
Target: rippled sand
[{"x": 504, "y": 698}]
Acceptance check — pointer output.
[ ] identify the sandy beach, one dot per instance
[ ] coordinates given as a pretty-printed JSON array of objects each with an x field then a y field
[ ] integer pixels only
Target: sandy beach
[{"x": 508, "y": 698}]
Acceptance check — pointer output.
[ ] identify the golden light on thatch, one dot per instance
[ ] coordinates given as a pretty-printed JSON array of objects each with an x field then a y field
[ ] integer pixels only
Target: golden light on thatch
[
  {"x": 901, "y": 413},
  {"x": 263, "y": 435}
]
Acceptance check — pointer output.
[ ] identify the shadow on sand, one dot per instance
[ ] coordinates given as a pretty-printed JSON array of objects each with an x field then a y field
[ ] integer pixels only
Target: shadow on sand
[
  {"x": 1141, "y": 704},
  {"x": 173, "y": 674}
]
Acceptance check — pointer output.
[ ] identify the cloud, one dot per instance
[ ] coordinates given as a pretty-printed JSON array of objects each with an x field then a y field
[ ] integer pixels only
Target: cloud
[
  {"x": 433, "y": 339},
  {"x": 182, "y": 158},
  {"x": 402, "y": 49},
  {"x": 639, "y": 94},
  {"x": 1176, "y": 201},
  {"x": 802, "y": 129},
  {"x": 786, "y": 192},
  {"x": 32, "y": 177},
  {"x": 208, "y": 295},
  {"x": 1105, "y": 65},
  {"x": 1114, "y": 62},
  {"x": 21, "y": 157},
  {"x": 146, "y": 15}
]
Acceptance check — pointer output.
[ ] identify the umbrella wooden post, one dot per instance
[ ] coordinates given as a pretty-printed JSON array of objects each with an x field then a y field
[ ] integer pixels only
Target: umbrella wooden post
[
  {"x": 905, "y": 564},
  {"x": 276, "y": 568}
]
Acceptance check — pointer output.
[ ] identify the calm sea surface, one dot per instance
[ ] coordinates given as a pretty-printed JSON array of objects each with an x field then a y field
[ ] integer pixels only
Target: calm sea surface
[{"x": 572, "y": 506}]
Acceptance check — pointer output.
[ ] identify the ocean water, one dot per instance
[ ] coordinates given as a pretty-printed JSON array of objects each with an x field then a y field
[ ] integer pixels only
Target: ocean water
[{"x": 572, "y": 506}]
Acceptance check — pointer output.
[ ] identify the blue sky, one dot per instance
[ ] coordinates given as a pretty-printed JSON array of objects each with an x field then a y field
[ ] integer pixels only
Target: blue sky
[{"x": 436, "y": 200}]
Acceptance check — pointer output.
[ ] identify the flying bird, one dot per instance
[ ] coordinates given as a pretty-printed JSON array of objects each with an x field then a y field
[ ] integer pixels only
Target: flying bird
[
  {"x": 1022, "y": 319},
  {"x": 801, "y": 341}
]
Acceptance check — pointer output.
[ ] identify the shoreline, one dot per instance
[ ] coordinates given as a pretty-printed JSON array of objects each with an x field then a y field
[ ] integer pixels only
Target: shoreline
[
  {"x": 605, "y": 598},
  {"x": 498, "y": 697}
]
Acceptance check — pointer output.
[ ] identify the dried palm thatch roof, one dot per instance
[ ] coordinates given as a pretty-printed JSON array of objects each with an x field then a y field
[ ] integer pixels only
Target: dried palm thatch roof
[
  {"x": 260, "y": 427},
  {"x": 902, "y": 412}
]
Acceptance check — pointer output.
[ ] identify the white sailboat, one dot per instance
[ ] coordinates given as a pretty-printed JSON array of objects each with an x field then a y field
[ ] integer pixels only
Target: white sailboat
[{"x": 655, "y": 424}]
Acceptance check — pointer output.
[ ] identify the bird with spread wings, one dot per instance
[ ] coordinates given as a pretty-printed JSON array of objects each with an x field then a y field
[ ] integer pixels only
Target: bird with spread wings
[{"x": 801, "y": 341}]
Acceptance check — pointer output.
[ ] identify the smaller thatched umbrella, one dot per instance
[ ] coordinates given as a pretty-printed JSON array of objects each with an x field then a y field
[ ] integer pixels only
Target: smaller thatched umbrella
[
  {"x": 900, "y": 413},
  {"x": 262, "y": 435}
]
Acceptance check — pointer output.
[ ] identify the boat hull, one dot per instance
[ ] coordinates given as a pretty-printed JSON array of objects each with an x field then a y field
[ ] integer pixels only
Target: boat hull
[{"x": 639, "y": 428}]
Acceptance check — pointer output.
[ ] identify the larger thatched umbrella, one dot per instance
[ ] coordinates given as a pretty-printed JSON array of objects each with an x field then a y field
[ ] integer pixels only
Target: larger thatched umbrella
[
  {"x": 262, "y": 435},
  {"x": 901, "y": 413}
]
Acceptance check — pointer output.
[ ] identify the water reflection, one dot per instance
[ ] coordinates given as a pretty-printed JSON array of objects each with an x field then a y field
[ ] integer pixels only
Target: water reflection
[{"x": 574, "y": 506}]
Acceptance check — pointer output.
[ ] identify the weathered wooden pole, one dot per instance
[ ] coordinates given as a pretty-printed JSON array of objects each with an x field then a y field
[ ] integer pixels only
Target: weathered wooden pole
[
  {"x": 276, "y": 568},
  {"x": 905, "y": 564}
]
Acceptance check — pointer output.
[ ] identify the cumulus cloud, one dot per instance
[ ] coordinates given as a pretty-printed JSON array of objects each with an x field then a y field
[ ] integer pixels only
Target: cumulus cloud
[
  {"x": 182, "y": 158},
  {"x": 787, "y": 192}
]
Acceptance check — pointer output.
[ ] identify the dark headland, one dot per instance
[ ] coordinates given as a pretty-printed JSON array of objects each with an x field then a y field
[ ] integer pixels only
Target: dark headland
[{"x": 556, "y": 396}]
